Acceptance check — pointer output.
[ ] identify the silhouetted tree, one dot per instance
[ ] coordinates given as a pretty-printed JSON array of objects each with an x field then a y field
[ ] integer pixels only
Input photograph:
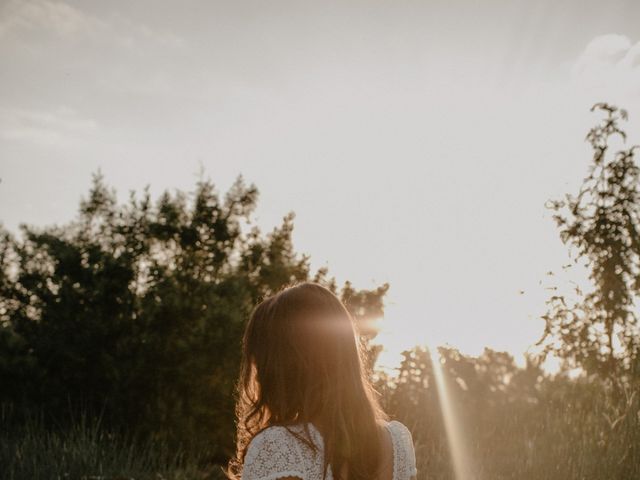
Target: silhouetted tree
[
  {"x": 135, "y": 312},
  {"x": 599, "y": 332}
]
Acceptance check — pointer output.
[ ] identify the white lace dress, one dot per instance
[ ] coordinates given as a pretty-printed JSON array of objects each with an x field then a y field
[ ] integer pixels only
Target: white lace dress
[{"x": 276, "y": 453}]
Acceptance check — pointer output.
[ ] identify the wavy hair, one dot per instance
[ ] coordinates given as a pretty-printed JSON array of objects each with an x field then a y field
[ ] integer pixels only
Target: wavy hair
[{"x": 303, "y": 363}]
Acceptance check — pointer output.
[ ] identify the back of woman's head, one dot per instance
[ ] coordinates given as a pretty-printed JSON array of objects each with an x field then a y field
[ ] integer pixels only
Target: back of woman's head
[{"x": 302, "y": 362}]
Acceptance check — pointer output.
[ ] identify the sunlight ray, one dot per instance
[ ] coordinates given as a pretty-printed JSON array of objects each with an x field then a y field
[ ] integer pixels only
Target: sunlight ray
[{"x": 462, "y": 462}]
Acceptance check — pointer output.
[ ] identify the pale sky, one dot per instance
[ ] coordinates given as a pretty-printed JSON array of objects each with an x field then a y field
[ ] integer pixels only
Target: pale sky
[{"x": 417, "y": 141}]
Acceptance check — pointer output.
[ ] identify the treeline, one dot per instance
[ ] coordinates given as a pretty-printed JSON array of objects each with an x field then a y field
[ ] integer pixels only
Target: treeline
[
  {"x": 134, "y": 312},
  {"x": 515, "y": 422}
]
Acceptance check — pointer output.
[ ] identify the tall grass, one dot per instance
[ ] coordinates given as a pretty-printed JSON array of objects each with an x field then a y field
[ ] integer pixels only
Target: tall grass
[
  {"x": 86, "y": 451},
  {"x": 567, "y": 435},
  {"x": 562, "y": 441}
]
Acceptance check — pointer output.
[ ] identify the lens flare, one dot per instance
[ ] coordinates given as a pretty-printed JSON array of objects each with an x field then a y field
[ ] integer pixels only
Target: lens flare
[{"x": 462, "y": 464}]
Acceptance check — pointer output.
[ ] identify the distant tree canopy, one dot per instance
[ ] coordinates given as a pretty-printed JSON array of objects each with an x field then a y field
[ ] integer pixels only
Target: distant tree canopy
[
  {"x": 599, "y": 331},
  {"x": 135, "y": 311}
]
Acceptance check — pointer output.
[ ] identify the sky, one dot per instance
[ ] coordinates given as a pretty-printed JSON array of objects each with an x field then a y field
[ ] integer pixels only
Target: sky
[{"x": 416, "y": 141}]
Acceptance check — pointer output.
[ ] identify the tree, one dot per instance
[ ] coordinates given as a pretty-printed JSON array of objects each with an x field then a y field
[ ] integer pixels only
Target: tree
[
  {"x": 135, "y": 312},
  {"x": 599, "y": 332}
]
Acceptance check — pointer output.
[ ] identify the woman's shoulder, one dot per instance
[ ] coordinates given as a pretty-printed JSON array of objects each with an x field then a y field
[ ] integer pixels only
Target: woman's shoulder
[
  {"x": 284, "y": 435},
  {"x": 270, "y": 434},
  {"x": 404, "y": 450},
  {"x": 277, "y": 451},
  {"x": 398, "y": 428}
]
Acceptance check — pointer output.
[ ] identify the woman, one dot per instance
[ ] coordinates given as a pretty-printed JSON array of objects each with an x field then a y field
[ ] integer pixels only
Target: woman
[{"x": 306, "y": 409}]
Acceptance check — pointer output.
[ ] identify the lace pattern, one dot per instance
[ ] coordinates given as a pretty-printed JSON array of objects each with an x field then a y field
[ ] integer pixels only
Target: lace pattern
[
  {"x": 404, "y": 457},
  {"x": 277, "y": 453}
]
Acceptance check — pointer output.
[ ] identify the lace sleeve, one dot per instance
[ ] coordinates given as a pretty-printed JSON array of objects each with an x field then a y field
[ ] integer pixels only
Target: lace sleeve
[
  {"x": 273, "y": 454},
  {"x": 404, "y": 452}
]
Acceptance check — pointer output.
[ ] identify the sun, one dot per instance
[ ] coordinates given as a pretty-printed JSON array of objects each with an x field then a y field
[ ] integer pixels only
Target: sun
[{"x": 400, "y": 330}]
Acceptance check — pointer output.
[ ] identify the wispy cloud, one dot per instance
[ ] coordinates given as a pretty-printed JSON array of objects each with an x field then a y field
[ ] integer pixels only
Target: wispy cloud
[
  {"x": 61, "y": 127},
  {"x": 24, "y": 18},
  {"x": 32, "y": 15},
  {"x": 610, "y": 66}
]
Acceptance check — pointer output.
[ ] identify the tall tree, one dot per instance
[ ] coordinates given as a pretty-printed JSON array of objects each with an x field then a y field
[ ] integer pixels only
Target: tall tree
[
  {"x": 135, "y": 312},
  {"x": 599, "y": 332}
]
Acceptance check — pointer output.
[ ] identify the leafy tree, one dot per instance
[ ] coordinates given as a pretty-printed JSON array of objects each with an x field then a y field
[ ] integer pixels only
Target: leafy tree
[
  {"x": 135, "y": 312},
  {"x": 599, "y": 332}
]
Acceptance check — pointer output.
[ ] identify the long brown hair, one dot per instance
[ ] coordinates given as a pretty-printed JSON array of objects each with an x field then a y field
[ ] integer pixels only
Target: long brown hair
[{"x": 303, "y": 362}]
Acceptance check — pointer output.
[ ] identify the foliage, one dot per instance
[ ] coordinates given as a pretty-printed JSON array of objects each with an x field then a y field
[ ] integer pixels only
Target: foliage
[
  {"x": 599, "y": 332},
  {"x": 523, "y": 422},
  {"x": 134, "y": 313},
  {"x": 516, "y": 422}
]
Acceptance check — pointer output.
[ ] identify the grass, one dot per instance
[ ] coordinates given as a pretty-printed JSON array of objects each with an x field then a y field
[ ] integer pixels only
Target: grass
[
  {"x": 550, "y": 441},
  {"x": 546, "y": 443},
  {"x": 87, "y": 452}
]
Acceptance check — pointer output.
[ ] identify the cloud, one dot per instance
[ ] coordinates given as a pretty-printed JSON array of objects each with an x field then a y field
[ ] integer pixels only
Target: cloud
[
  {"x": 61, "y": 18},
  {"x": 21, "y": 19},
  {"x": 610, "y": 67},
  {"x": 61, "y": 127},
  {"x": 129, "y": 33}
]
